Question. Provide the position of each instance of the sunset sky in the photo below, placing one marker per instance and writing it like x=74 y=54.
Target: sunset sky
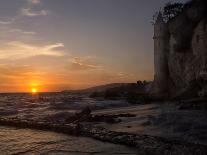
x=52 y=45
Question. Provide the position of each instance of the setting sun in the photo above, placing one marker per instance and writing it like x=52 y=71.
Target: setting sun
x=34 y=90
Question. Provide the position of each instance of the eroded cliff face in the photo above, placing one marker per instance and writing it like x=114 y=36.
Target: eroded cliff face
x=187 y=51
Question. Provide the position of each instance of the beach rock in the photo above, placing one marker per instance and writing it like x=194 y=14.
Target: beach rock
x=145 y=144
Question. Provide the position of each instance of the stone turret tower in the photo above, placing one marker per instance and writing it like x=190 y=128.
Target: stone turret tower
x=161 y=42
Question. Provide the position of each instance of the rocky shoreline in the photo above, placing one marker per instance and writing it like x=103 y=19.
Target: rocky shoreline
x=145 y=144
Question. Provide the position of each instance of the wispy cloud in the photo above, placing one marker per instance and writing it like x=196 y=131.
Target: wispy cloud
x=6 y=21
x=8 y=25
x=34 y=1
x=18 y=50
x=78 y=63
x=11 y=71
x=21 y=31
x=32 y=13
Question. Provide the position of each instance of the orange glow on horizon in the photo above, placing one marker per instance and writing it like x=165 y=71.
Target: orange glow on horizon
x=34 y=90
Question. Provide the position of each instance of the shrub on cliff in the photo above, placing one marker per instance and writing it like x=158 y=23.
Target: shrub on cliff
x=171 y=10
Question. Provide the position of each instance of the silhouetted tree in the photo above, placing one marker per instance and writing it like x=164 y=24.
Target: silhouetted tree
x=139 y=82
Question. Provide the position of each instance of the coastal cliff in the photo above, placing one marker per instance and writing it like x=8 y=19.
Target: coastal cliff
x=181 y=52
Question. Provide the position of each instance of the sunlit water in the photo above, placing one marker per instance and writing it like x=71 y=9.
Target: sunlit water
x=51 y=107
x=25 y=141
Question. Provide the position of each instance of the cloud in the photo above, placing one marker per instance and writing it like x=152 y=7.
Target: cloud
x=6 y=21
x=32 y=13
x=21 y=31
x=78 y=63
x=18 y=50
x=8 y=24
x=54 y=46
x=34 y=1
x=13 y=74
x=11 y=71
x=6 y=29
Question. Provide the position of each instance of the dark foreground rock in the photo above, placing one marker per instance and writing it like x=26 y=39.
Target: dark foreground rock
x=86 y=116
x=72 y=129
x=148 y=145
x=193 y=104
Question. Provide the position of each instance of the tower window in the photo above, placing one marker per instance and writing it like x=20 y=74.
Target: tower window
x=197 y=38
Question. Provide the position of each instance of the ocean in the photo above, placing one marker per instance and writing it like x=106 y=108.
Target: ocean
x=26 y=142
x=51 y=107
